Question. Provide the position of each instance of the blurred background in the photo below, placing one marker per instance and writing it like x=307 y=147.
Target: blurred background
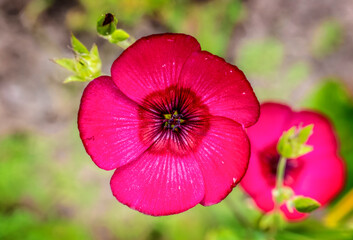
x=296 y=52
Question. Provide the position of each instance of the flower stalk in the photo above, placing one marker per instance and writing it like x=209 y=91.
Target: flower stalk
x=280 y=172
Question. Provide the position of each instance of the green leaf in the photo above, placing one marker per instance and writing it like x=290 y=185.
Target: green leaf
x=304 y=149
x=86 y=65
x=305 y=133
x=292 y=142
x=94 y=52
x=74 y=79
x=66 y=63
x=305 y=204
x=119 y=35
x=106 y=24
x=283 y=146
x=77 y=46
x=82 y=67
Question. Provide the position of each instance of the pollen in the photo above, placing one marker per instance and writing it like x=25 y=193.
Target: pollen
x=173 y=121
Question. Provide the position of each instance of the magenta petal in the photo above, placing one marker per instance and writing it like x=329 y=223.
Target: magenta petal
x=256 y=185
x=270 y=126
x=159 y=184
x=223 y=158
x=293 y=216
x=321 y=178
x=222 y=87
x=318 y=174
x=152 y=63
x=263 y=200
x=323 y=139
x=108 y=125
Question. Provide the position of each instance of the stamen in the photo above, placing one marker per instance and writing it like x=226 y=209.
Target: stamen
x=167 y=116
x=173 y=122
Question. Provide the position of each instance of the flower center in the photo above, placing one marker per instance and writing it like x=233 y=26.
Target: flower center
x=174 y=120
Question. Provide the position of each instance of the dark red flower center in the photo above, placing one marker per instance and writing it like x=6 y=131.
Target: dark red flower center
x=269 y=159
x=174 y=119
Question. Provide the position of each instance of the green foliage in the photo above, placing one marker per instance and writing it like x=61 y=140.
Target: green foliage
x=272 y=220
x=328 y=37
x=14 y=225
x=292 y=142
x=22 y=224
x=216 y=24
x=260 y=57
x=15 y=172
x=223 y=234
x=26 y=194
x=86 y=65
x=212 y=26
x=305 y=204
x=322 y=233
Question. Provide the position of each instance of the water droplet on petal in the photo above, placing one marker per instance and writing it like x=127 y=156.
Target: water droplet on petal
x=231 y=70
x=234 y=179
x=222 y=162
x=243 y=93
x=179 y=187
x=164 y=65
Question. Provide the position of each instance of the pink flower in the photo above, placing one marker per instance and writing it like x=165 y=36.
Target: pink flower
x=171 y=122
x=318 y=174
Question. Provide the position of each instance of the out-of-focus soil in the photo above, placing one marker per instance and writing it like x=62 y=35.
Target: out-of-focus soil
x=31 y=97
x=294 y=24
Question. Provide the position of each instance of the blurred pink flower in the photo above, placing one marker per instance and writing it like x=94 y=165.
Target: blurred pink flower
x=171 y=122
x=319 y=174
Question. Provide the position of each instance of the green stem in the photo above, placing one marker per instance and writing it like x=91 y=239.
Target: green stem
x=280 y=172
x=281 y=167
x=123 y=44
